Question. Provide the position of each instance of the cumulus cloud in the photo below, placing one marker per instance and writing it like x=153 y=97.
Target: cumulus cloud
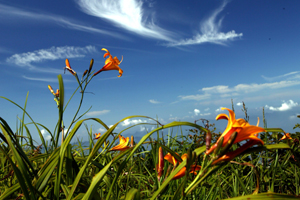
x=219 y=109
x=197 y=112
x=286 y=105
x=210 y=31
x=45 y=134
x=95 y=113
x=126 y=14
x=101 y=130
x=239 y=103
x=153 y=101
x=128 y=122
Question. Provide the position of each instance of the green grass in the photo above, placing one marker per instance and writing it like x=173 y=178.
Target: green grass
x=56 y=169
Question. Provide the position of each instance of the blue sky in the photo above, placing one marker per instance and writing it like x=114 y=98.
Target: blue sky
x=183 y=60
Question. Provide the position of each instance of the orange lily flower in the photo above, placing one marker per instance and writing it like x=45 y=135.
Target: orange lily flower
x=123 y=144
x=160 y=165
x=110 y=63
x=97 y=135
x=286 y=136
x=244 y=130
x=68 y=67
x=181 y=173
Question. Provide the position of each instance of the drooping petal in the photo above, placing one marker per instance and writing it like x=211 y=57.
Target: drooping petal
x=180 y=174
x=170 y=159
x=231 y=155
x=123 y=144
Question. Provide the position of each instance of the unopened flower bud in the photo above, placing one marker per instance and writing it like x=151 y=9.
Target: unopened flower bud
x=91 y=65
x=132 y=142
x=57 y=93
x=51 y=90
x=219 y=145
x=228 y=145
x=208 y=140
x=84 y=73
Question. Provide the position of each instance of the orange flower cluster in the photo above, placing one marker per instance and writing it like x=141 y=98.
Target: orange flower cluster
x=174 y=162
x=244 y=131
x=110 y=64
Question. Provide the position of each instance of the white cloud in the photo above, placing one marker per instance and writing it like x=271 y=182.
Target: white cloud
x=219 y=109
x=196 y=97
x=102 y=130
x=54 y=80
x=196 y=111
x=210 y=31
x=95 y=113
x=205 y=114
x=153 y=101
x=217 y=89
x=53 y=53
x=291 y=75
x=206 y=109
x=128 y=122
x=9 y=14
x=239 y=104
x=246 y=88
x=226 y=91
x=284 y=106
x=45 y=134
x=127 y=14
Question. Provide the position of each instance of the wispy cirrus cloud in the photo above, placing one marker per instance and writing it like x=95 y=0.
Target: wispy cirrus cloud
x=11 y=13
x=210 y=32
x=154 y=101
x=95 y=113
x=288 y=76
x=49 y=80
x=127 y=14
x=240 y=89
x=53 y=53
x=197 y=97
x=286 y=105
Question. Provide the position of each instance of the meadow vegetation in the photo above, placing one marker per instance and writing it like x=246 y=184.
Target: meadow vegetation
x=178 y=160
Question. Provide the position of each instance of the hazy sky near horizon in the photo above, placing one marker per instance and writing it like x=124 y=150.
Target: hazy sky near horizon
x=182 y=60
